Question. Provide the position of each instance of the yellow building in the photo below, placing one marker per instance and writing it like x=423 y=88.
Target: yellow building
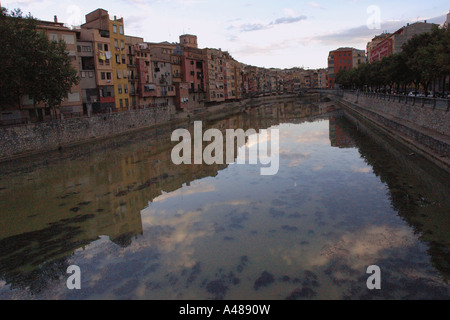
x=113 y=31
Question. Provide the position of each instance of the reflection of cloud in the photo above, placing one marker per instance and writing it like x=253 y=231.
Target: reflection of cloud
x=238 y=202
x=365 y=246
x=306 y=137
x=178 y=244
x=186 y=191
x=295 y=158
x=313 y=137
x=319 y=167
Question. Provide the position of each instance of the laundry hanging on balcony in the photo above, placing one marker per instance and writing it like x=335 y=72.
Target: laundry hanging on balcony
x=101 y=55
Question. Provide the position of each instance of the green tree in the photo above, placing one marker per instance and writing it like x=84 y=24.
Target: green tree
x=31 y=64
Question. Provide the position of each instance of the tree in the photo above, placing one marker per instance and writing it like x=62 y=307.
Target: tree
x=31 y=64
x=424 y=60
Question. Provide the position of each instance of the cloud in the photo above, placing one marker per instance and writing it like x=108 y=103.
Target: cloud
x=248 y=27
x=287 y=20
x=315 y=5
x=365 y=34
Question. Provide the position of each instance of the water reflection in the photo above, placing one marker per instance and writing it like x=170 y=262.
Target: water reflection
x=141 y=227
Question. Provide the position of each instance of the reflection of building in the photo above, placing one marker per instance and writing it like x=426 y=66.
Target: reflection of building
x=338 y=136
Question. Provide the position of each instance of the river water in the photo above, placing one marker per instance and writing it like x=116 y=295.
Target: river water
x=140 y=227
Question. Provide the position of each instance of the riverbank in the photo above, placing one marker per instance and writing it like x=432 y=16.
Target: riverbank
x=423 y=128
x=31 y=139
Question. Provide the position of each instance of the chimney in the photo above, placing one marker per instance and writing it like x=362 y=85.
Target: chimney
x=56 y=19
x=115 y=18
x=425 y=21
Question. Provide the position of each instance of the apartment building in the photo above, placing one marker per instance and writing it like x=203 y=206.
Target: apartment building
x=111 y=34
x=133 y=49
x=393 y=43
x=88 y=82
x=72 y=104
x=343 y=59
x=216 y=65
x=373 y=44
x=194 y=73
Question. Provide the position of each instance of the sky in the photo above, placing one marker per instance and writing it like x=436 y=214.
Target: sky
x=264 y=33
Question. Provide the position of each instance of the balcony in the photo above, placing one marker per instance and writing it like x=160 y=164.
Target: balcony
x=104 y=33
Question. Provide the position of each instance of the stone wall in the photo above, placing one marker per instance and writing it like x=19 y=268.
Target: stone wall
x=29 y=139
x=423 y=124
x=46 y=136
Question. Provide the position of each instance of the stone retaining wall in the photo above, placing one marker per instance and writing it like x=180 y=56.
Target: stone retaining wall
x=424 y=127
x=28 y=139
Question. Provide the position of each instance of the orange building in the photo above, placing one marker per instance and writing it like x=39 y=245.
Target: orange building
x=72 y=105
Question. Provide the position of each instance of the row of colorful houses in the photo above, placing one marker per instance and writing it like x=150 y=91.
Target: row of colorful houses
x=120 y=72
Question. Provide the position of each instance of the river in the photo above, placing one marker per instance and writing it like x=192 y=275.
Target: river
x=140 y=227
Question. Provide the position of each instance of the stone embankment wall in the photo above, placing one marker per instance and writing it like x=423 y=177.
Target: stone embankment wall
x=423 y=124
x=29 y=139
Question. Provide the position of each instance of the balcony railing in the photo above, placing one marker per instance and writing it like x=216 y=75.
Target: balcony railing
x=443 y=104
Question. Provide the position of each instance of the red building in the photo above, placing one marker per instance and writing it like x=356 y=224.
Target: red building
x=343 y=59
x=384 y=49
x=193 y=68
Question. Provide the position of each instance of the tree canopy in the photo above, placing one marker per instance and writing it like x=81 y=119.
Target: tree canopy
x=424 y=59
x=31 y=64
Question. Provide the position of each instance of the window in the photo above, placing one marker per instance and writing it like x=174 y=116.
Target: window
x=53 y=37
x=103 y=76
x=125 y=87
x=116 y=43
x=106 y=47
x=108 y=75
x=86 y=49
x=68 y=38
x=119 y=88
x=79 y=48
x=100 y=46
x=122 y=44
x=91 y=74
x=123 y=59
x=121 y=103
x=115 y=28
x=74 y=97
x=119 y=74
x=117 y=59
x=83 y=74
x=121 y=29
x=126 y=103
